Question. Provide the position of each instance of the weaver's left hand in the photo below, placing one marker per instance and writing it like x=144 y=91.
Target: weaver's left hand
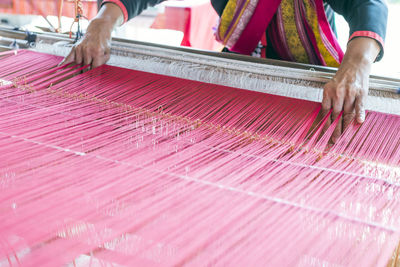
x=94 y=48
x=348 y=89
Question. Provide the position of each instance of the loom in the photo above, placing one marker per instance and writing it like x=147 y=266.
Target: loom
x=172 y=156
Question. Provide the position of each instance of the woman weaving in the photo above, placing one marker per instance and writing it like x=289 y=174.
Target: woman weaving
x=293 y=30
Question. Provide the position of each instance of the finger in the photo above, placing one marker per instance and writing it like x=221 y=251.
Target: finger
x=360 y=107
x=337 y=108
x=107 y=57
x=326 y=107
x=68 y=59
x=87 y=59
x=348 y=111
x=98 y=61
x=107 y=52
x=78 y=55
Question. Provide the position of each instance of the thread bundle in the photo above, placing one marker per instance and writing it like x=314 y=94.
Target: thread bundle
x=116 y=166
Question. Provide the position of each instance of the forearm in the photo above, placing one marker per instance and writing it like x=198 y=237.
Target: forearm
x=360 y=54
x=111 y=15
x=132 y=8
x=361 y=51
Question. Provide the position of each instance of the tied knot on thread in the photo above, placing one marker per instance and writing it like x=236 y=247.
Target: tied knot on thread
x=78 y=16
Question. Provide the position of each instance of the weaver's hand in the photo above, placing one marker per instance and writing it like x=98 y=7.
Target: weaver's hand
x=94 y=47
x=348 y=90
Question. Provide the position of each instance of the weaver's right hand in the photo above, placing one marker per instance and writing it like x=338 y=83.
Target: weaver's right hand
x=94 y=47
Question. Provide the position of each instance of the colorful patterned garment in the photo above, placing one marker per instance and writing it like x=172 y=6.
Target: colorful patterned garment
x=298 y=29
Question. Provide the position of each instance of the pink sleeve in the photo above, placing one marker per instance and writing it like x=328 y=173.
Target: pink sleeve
x=369 y=34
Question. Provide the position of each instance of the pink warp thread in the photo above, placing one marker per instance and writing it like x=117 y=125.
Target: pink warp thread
x=122 y=167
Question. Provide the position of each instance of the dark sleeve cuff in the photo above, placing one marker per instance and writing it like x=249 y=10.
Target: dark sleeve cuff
x=372 y=35
x=120 y=5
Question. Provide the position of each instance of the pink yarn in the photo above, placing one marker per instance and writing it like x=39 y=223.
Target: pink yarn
x=116 y=166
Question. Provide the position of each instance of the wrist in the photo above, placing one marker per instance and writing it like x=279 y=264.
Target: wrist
x=362 y=51
x=358 y=61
